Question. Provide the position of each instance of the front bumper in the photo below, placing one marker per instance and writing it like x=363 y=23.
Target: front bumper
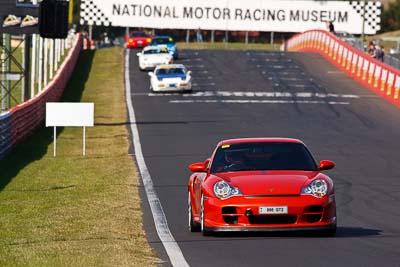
x=131 y=45
x=242 y=213
x=136 y=45
x=151 y=65
x=177 y=88
x=270 y=229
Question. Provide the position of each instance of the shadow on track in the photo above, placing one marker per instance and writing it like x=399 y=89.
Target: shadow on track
x=342 y=232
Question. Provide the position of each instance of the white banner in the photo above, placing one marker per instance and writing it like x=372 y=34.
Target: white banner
x=233 y=15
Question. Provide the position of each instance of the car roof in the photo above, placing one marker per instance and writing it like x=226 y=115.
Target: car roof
x=259 y=140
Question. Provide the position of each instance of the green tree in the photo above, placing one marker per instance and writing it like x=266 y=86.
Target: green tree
x=391 y=17
x=77 y=9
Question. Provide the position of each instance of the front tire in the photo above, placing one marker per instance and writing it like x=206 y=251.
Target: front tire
x=193 y=226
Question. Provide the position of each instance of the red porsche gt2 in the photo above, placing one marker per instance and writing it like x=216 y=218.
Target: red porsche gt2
x=261 y=184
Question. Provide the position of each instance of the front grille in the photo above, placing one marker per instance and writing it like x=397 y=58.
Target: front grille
x=312 y=214
x=231 y=219
x=229 y=210
x=312 y=218
x=229 y=215
x=314 y=208
x=276 y=219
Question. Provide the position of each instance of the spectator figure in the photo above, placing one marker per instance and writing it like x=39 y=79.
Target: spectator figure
x=199 y=36
x=330 y=26
x=371 y=49
x=379 y=53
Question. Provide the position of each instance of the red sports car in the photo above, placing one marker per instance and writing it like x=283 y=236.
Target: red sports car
x=137 y=39
x=261 y=184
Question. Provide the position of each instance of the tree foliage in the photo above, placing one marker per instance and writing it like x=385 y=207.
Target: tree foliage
x=391 y=17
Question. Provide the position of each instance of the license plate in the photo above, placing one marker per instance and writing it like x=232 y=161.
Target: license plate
x=172 y=85
x=140 y=42
x=273 y=210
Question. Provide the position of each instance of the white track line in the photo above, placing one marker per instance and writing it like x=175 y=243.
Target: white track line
x=174 y=252
x=245 y=101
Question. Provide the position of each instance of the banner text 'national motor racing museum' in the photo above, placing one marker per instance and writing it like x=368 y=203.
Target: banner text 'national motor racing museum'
x=249 y=15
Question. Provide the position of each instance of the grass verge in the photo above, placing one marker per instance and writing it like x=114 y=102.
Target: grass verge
x=73 y=210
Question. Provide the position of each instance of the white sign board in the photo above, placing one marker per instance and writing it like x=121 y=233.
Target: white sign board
x=69 y=114
x=234 y=15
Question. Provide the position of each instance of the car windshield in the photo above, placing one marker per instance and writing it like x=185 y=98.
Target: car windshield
x=155 y=51
x=262 y=156
x=169 y=71
x=158 y=41
x=138 y=34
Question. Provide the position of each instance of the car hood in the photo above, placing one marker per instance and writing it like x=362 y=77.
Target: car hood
x=171 y=76
x=156 y=56
x=268 y=182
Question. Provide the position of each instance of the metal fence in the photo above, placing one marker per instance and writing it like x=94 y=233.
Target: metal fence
x=389 y=59
x=393 y=60
x=22 y=120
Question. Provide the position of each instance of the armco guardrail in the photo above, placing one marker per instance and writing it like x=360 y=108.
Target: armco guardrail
x=375 y=75
x=5 y=133
x=19 y=122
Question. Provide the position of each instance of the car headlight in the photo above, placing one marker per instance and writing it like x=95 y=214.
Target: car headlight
x=223 y=190
x=317 y=188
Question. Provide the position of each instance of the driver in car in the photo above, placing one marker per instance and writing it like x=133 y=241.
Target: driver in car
x=235 y=161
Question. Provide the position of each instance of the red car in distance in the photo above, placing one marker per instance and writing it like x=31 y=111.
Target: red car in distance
x=137 y=39
x=261 y=184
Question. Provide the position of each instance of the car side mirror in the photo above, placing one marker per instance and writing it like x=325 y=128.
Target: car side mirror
x=326 y=165
x=138 y=54
x=151 y=74
x=198 y=167
x=189 y=72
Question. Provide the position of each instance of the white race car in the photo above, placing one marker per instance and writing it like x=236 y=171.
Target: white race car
x=151 y=56
x=170 y=78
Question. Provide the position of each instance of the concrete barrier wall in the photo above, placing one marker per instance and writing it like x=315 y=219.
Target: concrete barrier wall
x=21 y=121
x=373 y=74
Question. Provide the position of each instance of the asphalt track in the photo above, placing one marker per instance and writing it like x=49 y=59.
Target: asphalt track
x=270 y=94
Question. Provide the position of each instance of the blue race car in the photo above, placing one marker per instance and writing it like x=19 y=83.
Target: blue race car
x=166 y=41
x=171 y=78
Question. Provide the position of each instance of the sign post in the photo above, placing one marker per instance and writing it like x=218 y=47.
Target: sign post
x=69 y=114
x=55 y=141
